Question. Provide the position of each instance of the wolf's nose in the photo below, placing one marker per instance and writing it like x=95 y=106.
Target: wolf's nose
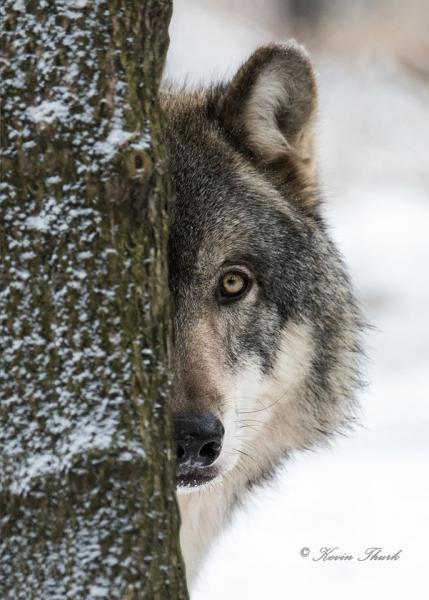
x=199 y=440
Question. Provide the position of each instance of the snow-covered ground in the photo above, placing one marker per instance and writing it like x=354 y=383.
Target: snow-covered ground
x=370 y=489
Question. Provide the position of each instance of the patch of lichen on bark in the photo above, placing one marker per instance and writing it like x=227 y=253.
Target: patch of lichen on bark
x=87 y=468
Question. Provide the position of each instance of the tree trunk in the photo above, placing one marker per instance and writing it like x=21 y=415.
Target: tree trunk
x=87 y=499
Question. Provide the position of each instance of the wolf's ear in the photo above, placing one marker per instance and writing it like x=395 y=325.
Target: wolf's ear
x=269 y=107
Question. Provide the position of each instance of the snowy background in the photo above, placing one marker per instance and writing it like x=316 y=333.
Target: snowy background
x=371 y=489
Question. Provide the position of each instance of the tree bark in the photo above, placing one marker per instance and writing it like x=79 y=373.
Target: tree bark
x=87 y=467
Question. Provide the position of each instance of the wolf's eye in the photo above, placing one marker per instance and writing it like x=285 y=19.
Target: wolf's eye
x=233 y=285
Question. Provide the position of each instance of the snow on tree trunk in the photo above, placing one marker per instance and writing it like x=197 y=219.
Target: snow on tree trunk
x=87 y=500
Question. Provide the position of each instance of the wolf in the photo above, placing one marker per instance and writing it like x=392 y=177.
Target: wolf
x=266 y=326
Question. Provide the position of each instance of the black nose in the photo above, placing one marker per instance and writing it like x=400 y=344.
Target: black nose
x=199 y=439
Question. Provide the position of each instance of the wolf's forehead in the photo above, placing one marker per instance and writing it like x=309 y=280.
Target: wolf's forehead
x=219 y=208
x=211 y=177
x=215 y=187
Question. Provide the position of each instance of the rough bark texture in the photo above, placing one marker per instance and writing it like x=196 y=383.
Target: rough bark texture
x=86 y=465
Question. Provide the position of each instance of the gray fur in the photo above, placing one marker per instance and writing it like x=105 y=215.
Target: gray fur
x=251 y=201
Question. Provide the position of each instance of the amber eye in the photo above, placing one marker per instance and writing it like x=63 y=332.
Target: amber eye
x=233 y=285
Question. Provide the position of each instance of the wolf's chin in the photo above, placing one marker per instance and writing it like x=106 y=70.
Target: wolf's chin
x=198 y=479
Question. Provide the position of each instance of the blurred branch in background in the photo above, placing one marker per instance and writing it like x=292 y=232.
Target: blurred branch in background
x=309 y=13
x=360 y=28
x=349 y=28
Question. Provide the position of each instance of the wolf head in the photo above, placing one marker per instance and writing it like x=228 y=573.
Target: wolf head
x=265 y=324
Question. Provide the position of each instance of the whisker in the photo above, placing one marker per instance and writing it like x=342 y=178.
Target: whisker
x=245 y=454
